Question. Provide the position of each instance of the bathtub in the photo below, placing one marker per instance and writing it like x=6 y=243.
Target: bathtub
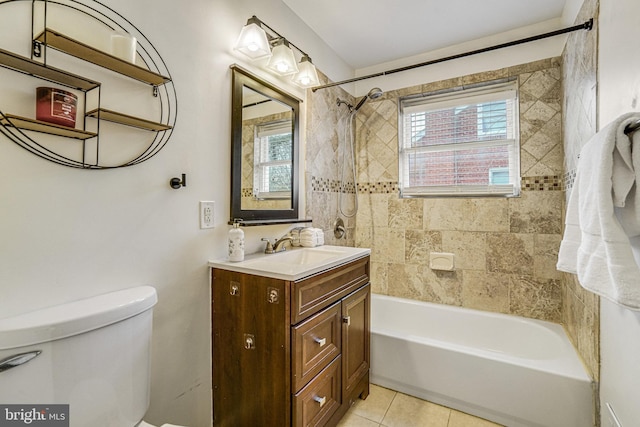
x=511 y=370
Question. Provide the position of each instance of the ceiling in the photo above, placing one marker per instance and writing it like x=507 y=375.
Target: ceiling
x=365 y=33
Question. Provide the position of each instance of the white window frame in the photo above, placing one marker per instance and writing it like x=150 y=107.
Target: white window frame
x=459 y=98
x=261 y=166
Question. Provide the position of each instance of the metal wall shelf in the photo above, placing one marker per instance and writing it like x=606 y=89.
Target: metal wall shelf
x=80 y=50
x=153 y=72
x=44 y=127
x=36 y=69
x=124 y=119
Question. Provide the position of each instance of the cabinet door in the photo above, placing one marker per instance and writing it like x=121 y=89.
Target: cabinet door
x=251 y=353
x=355 y=339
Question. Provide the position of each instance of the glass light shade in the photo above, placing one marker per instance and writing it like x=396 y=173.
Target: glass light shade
x=253 y=41
x=307 y=76
x=282 y=60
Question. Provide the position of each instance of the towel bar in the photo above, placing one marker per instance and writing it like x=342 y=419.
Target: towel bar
x=632 y=127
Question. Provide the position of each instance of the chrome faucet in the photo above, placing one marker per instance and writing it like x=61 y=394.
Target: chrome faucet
x=277 y=246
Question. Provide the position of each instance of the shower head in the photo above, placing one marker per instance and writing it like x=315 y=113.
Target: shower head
x=374 y=93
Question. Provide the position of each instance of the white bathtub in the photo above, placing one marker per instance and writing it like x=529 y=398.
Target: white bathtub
x=514 y=371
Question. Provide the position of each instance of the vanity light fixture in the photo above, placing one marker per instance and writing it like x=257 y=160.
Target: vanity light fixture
x=256 y=43
x=253 y=40
x=307 y=75
x=282 y=60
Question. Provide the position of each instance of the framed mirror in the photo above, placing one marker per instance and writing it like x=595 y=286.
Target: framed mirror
x=264 y=151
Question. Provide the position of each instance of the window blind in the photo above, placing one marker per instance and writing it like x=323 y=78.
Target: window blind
x=272 y=160
x=461 y=143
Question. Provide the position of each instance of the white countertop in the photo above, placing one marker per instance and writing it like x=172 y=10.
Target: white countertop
x=293 y=264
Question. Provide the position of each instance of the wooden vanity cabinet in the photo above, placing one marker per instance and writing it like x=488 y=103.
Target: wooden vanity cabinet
x=290 y=353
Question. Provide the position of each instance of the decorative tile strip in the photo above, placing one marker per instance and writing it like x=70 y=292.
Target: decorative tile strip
x=247 y=192
x=529 y=183
x=569 y=179
x=542 y=183
x=331 y=185
x=378 y=187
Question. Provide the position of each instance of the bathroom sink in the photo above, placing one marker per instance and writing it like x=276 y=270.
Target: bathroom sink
x=305 y=256
x=295 y=263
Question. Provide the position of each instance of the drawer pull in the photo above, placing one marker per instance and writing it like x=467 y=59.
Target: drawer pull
x=321 y=400
x=321 y=341
x=347 y=320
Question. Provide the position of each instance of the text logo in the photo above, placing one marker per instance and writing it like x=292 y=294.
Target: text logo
x=34 y=415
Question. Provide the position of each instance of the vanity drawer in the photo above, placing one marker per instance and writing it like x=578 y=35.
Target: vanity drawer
x=315 y=343
x=320 y=399
x=316 y=292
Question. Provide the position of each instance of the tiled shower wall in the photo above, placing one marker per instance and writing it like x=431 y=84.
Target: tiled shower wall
x=505 y=249
x=581 y=315
x=327 y=125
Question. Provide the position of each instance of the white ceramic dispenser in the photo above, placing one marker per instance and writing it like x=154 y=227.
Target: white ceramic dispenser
x=236 y=243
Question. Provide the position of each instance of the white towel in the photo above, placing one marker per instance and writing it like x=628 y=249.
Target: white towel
x=603 y=213
x=311 y=237
x=308 y=237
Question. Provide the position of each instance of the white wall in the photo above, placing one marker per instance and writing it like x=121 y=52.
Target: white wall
x=499 y=58
x=619 y=92
x=67 y=234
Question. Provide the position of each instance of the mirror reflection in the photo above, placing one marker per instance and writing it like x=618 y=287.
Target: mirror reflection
x=267 y=149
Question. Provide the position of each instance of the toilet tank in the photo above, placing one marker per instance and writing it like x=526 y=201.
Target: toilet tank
x=94 y=356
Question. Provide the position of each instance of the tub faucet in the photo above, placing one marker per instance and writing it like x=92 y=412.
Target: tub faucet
x=277 y=246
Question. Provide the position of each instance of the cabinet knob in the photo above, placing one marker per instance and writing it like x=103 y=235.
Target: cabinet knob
x=321 y=341
x=321 y=400
x=249 y=342
x=234 y=289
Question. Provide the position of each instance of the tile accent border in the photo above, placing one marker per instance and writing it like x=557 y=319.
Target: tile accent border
x=542 y=183
x=529 y=183
x=569 y=179
x=331 y=185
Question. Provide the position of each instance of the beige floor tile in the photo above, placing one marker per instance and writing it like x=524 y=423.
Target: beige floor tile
x=353 y=420
x=408 y=411
x=460 y=419
x=376 y=405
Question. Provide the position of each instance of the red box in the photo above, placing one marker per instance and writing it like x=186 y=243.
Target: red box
x=56 y=106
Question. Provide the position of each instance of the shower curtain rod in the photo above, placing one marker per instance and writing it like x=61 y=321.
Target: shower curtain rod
x=587 y=25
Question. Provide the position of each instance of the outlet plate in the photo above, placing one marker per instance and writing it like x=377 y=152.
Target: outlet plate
x=206 y=214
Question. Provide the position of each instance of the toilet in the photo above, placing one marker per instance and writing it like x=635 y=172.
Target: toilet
x=92 y=354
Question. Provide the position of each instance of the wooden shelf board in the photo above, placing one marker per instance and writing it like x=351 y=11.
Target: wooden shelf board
x=44 y=127
x=80 y=50
x=124 y=119
x=28 y=66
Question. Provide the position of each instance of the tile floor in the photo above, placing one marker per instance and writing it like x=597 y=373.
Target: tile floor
x=388 y=408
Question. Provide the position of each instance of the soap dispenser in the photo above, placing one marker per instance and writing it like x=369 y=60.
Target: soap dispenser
x=236 y=243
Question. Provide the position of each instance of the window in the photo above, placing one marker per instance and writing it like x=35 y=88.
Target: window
x=272 y=160
x=462 y=142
